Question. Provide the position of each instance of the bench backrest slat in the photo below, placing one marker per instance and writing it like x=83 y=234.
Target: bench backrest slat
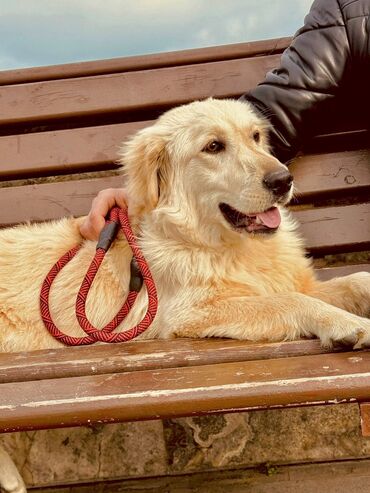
x=63 y=151
x=131 y=91
x=145 y=62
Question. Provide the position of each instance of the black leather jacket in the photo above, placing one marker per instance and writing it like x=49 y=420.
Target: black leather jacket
x=323 y=82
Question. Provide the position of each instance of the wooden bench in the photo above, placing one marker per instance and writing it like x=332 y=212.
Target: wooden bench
x=60 y=128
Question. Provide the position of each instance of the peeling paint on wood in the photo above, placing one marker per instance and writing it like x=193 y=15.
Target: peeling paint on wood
x=184 y=391
x=154 y=394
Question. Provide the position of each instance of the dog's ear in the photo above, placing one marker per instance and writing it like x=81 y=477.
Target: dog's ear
x=145 y=165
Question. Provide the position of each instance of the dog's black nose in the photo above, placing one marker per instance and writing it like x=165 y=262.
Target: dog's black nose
x=279 y=182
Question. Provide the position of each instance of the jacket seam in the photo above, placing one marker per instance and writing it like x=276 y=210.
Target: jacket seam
x=321 y=28
x=298 y=88
x=350 y=3
x=358 y=17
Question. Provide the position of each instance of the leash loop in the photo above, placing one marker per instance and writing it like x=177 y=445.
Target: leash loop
x=140 y=274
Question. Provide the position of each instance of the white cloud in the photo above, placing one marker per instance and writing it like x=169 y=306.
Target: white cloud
x=38 y=32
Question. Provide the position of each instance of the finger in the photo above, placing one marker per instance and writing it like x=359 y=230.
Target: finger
x=120 y=197
x=90 y=229
x=101 y=205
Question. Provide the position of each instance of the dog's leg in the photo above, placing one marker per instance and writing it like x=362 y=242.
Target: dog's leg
x=10 y=479
x=274 y=318
x=352 y=293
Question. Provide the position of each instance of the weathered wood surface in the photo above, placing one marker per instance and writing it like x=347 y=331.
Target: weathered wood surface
x=63 y=151
x=145 y=62
x=131 y=91
x=365 y=418
x=143 y=355
x=332 y=477
x=150 y=394
x=51 y=200
x=325 y=174
x=335 y=229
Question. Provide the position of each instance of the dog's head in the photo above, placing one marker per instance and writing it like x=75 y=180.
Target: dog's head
x=207 y=166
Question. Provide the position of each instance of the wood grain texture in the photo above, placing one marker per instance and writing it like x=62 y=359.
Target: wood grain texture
x=301 y=380
x=145 y=62
x=143 y=355
x=335 y=229
x=319 y=175
x=63 y=151
x=131 y=91
x=51 y=200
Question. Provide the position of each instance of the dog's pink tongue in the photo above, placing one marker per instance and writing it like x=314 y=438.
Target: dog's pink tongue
x=270 y=218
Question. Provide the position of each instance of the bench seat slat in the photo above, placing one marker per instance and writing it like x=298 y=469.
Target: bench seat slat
x=181 y=391
x=50 y=100
x=143 y=355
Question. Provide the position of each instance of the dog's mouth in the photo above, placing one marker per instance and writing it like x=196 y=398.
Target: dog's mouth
x=261 y=222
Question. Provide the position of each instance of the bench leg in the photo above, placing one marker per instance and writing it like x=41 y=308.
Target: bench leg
x=10 y=479
x=365 y=418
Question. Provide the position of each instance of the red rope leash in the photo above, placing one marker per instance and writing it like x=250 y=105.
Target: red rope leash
x=139 y=272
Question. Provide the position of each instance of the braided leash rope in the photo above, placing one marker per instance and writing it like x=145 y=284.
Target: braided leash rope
x=139 y=273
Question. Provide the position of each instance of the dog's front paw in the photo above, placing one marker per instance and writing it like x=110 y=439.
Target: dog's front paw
x=346 y=330
x=358 y=339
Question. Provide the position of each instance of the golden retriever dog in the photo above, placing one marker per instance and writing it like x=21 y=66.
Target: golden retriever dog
x=207 y=204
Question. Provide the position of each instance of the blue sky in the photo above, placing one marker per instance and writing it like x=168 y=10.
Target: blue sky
x=46 y=32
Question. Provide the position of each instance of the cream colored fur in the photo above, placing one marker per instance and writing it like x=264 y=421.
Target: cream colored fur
x=211 y=279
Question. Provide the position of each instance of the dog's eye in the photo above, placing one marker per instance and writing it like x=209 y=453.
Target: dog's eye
x=256 y=136
x=214 y=146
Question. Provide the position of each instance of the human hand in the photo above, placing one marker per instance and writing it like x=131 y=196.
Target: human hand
x=101 y=205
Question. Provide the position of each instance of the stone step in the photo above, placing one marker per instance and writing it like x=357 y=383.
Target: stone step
x=338 y=477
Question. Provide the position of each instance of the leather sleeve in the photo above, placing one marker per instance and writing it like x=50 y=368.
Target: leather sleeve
x=297 y=95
